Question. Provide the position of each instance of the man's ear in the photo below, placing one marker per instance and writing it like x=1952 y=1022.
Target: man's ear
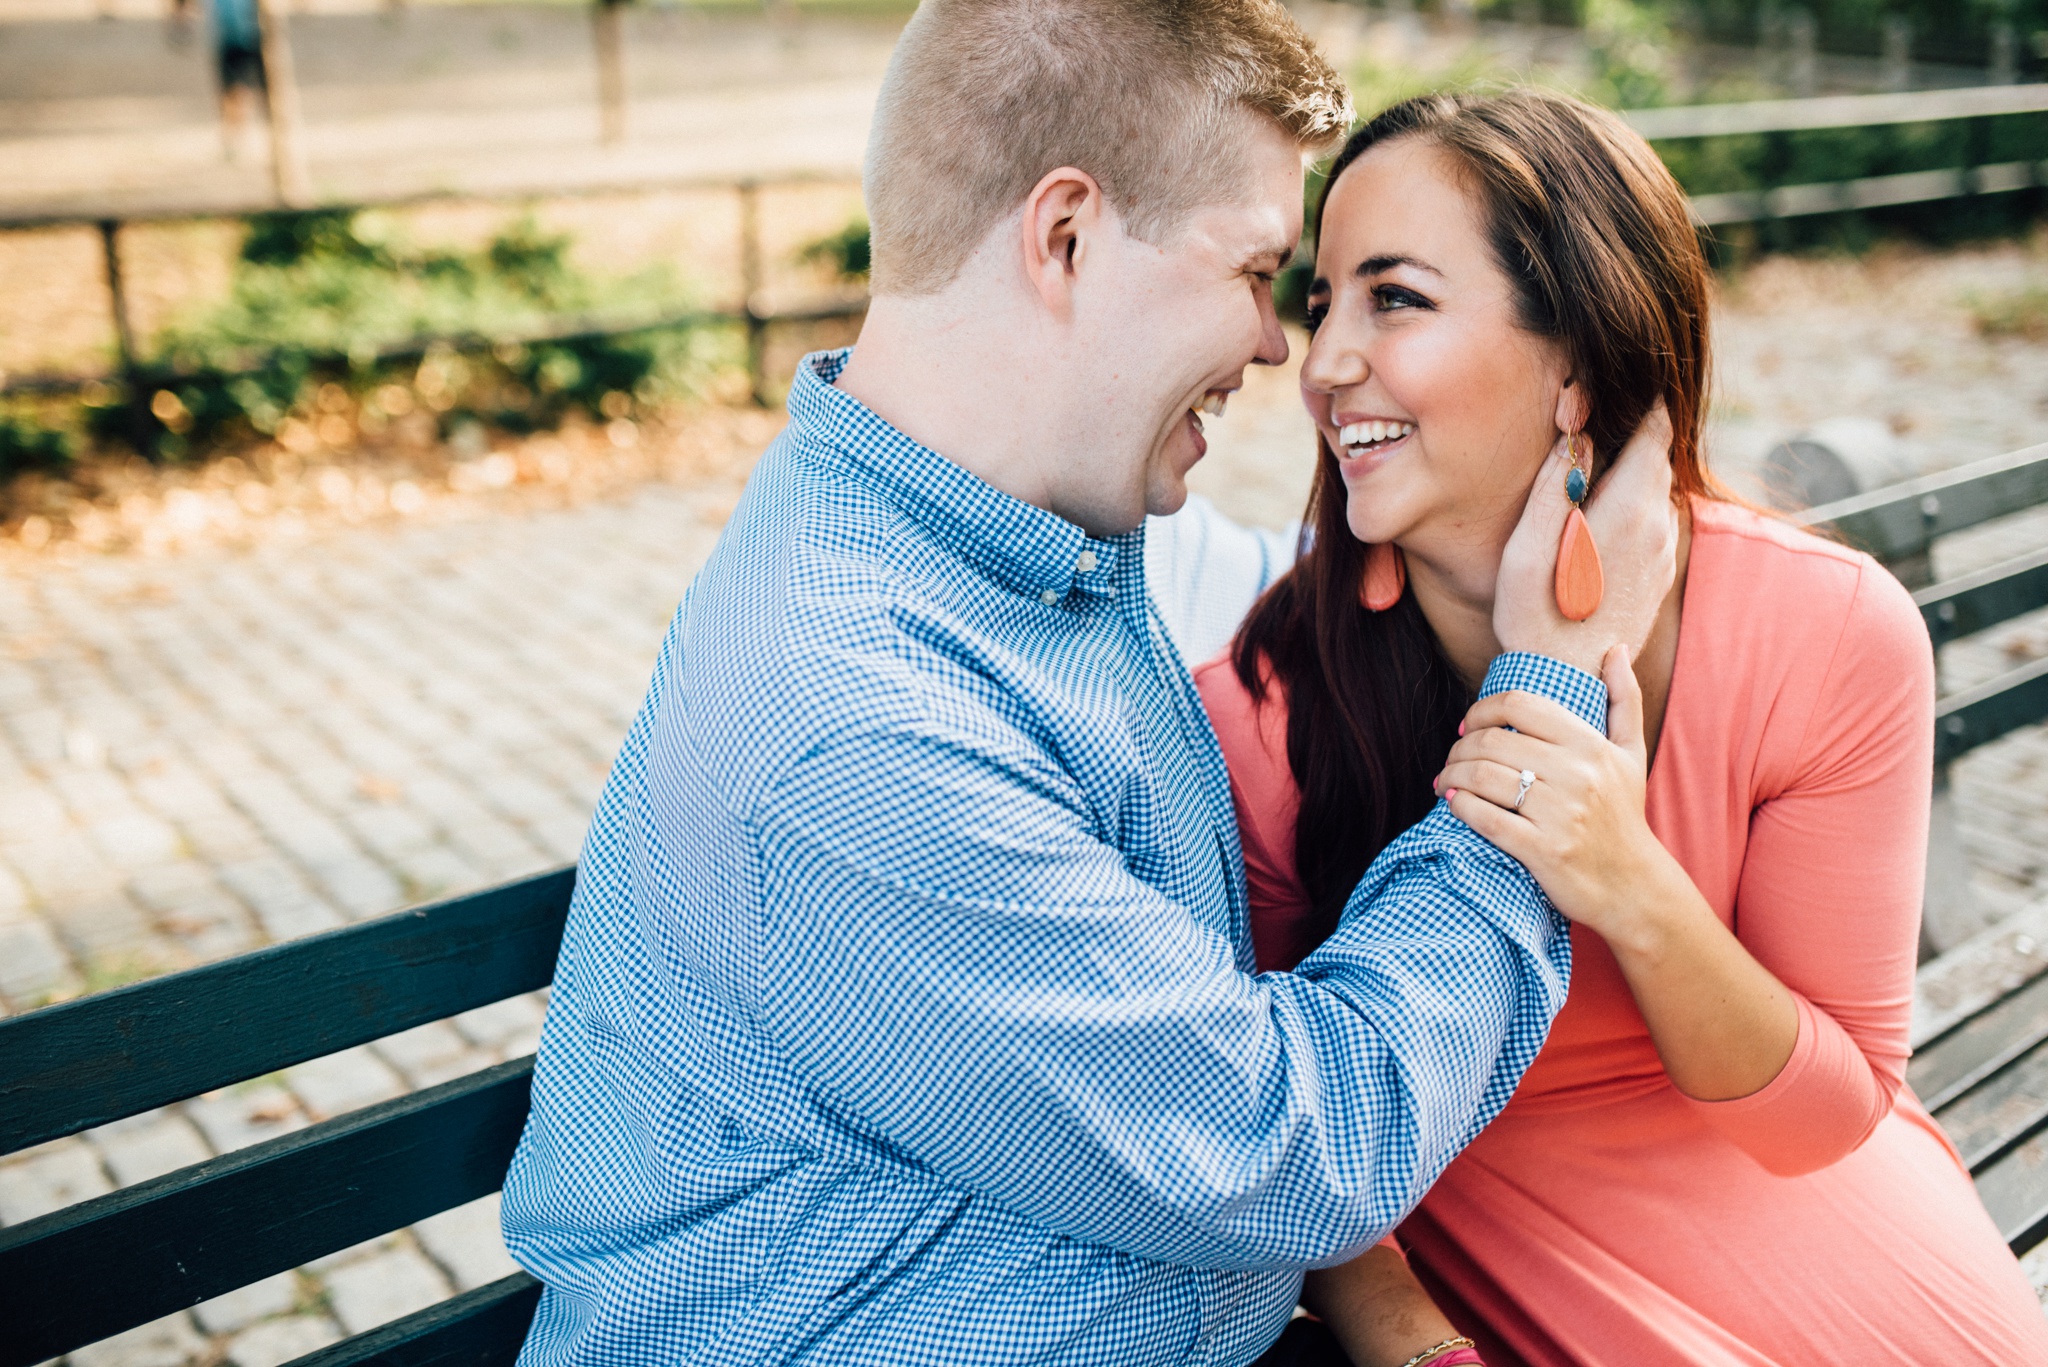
x=1062 y=214
x=1572 y=408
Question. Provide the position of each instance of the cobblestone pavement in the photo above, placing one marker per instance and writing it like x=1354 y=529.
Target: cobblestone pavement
x=207 y=755
x=206 y=751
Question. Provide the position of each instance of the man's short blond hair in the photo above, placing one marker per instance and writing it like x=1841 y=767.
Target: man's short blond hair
x=983 y=97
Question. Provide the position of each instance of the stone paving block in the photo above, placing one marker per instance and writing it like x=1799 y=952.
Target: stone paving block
x=31 y=962
x=244 y=1306
x=438 y=872
x=468 y=1243
x=338 y=1083
x=108 y=929
x=389 y=830
x=222 y=836
x=148 y=1145
x=562 y=837
x=431 y=1054
x=360 y=886
x=491 y=1026
x=168 y=1342
x=49 y=1177
x=61 y=864
x=384 y=1287
x=135 y=838
x=355 y=1253
x=236 y=1117
x=14 y=897
x=284 y=904
x=275 y=1342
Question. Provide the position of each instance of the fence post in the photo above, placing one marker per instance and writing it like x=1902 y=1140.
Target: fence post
x=281 y=101
x=117 y=295
x=1803 y=75
x=2005 y=53
x=608 y=33
x=1898 y=52
x=750 y=286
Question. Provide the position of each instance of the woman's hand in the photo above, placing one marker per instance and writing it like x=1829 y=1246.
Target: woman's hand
x=1580 y=830
x=1722 y=1023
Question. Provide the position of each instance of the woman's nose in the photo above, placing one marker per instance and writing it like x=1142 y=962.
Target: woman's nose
x=1331 y=365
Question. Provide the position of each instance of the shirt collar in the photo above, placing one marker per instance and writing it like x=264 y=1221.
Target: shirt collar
x=1022 y=547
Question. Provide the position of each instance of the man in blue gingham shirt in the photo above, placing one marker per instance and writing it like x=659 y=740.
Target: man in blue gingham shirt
x=906 y=1013
x=907 y=1010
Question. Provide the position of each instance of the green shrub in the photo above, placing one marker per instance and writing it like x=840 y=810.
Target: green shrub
x=27 y=445
x=335 y=297
x=845 y=251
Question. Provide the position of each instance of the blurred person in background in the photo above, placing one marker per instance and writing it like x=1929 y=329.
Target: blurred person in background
x=1715 y=1161
x=906 y=1011
x=238 y=67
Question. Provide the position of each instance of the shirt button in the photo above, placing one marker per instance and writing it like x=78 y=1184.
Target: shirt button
x=1086 y=562
x=1048 y=598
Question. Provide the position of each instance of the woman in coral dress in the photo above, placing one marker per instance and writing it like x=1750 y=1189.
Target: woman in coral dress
x=1715 y=1160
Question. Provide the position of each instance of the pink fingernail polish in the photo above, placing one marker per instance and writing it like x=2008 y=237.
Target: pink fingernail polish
x=1461 y=728
x=1450 y=793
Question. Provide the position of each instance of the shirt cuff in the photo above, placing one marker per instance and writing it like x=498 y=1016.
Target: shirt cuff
x=1584 y=696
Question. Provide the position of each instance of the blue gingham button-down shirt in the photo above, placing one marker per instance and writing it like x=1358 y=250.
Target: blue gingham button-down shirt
x=907 y=1011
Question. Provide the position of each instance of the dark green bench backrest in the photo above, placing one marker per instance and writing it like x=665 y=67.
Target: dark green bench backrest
x=94 y=1269
x=1899 y=524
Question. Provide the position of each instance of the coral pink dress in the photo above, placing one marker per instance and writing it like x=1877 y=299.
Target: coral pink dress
x=1607 y=1220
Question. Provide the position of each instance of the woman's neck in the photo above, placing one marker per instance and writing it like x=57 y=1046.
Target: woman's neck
x=1458 y=605
x=1459 y=608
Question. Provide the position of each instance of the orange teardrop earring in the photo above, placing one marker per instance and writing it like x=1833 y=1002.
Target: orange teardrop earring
x=1386 y=576
x=1580 y=582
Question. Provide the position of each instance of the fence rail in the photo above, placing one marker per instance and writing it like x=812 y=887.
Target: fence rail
x=750 y=313
x=1836 y=111
x=1766 y=117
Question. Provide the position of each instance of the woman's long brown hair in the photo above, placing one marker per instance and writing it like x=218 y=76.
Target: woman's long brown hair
x=1593 y=232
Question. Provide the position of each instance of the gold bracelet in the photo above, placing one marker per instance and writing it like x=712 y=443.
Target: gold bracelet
x=1439 y=1350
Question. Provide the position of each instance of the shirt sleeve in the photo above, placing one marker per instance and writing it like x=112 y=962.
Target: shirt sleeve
x=972 y=977
x=1829 y=899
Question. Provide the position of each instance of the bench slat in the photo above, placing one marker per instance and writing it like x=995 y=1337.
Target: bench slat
x=2015 y=1191
x=1963 y=721
x=1958 y=607
x=202 y=1231
x=1899 y=520
x=68 y=1068
x=1958 y=1060
x=480 y=1328
x=1996 y=1114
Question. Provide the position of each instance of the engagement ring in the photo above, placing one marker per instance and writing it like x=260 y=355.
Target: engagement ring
x=1528 y=777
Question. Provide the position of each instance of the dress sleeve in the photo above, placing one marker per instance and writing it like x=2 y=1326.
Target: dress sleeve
x=1831 y=888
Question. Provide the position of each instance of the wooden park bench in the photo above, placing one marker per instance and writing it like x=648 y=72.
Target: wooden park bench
x=106 y=1265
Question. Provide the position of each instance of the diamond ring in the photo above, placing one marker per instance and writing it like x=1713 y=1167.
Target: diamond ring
x=1528 y=778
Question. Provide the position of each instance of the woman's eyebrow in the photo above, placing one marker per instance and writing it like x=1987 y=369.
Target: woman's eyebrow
x=1376 y=265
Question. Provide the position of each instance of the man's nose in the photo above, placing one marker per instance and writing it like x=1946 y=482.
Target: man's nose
x=1272 y=337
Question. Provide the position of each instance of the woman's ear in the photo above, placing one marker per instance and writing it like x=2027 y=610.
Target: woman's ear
x=1572 y=408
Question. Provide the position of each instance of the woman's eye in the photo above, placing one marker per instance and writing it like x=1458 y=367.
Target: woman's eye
x=1390 y=297
x=1314 y=315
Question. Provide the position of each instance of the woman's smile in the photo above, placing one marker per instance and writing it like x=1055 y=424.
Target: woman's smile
x=1365 y=444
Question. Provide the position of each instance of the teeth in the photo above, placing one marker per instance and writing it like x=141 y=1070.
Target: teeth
x=1213 y=403
x=1373 y=433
